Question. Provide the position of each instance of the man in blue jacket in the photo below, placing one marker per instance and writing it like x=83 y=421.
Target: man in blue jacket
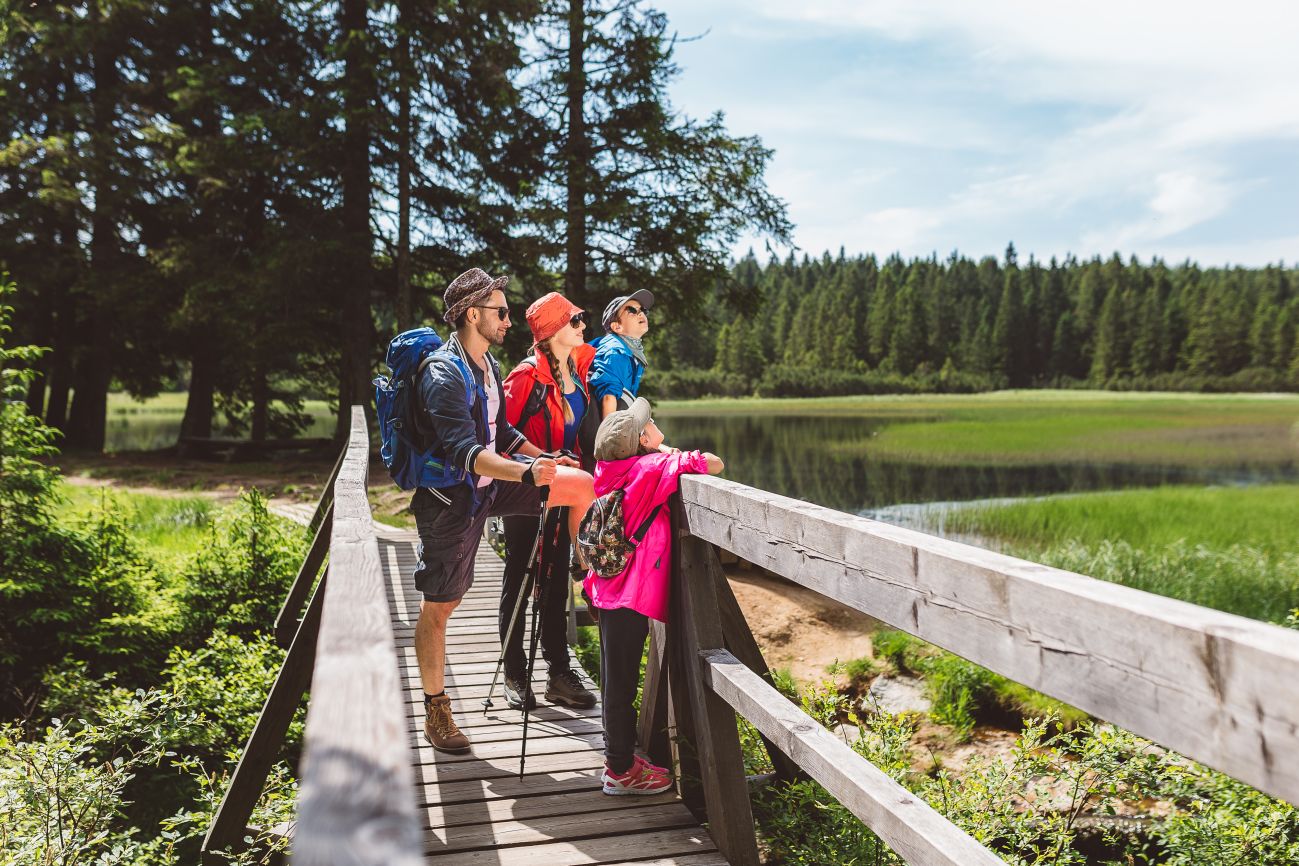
x=480 y=451
x=619 y=362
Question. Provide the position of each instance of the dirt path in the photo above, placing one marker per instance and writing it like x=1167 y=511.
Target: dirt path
x=798 y=629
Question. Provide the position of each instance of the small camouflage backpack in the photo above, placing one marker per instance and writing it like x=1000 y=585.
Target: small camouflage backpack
x=602 y=537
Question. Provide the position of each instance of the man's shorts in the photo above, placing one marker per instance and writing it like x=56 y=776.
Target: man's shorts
x=449 y=534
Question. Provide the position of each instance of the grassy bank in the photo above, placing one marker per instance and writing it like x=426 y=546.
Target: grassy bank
x=1232 y=549
x=1034 y=427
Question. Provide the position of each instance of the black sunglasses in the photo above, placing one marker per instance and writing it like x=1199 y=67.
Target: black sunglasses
x=578 y=320
x=502 y=313
x=635 y=311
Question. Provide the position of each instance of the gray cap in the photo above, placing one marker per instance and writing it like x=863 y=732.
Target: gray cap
x=642 y=296
x=619 y=433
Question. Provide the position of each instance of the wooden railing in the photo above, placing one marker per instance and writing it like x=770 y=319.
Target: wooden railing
x=1218 y=688
x=357 y=799
x=1221 y=689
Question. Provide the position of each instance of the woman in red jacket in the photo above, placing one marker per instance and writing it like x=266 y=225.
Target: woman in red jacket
x=546 y=397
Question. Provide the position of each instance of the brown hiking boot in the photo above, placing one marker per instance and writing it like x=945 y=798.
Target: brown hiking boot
x=564 y=687
x=440 y=728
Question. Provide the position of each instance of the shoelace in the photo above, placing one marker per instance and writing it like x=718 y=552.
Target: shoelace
x=569 y=678
x=442 y=721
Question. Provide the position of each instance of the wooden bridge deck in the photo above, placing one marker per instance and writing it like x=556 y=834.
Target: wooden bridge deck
x=475 y=808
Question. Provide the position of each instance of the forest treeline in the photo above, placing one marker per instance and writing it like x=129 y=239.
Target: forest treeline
x=247 y=197
x=843 y=325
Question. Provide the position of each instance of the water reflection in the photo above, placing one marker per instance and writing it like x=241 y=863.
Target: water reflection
x=798 y=457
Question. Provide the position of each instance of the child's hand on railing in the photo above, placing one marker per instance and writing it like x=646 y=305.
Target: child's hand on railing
x=715 y=464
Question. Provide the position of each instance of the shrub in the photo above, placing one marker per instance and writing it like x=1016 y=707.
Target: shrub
x=688 y=384
x=238 y=583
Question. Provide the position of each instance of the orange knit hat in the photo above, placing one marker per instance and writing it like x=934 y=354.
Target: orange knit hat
x=548 y=314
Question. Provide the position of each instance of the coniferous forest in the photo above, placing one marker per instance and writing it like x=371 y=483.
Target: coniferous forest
x=841 y=325
x=243 y=200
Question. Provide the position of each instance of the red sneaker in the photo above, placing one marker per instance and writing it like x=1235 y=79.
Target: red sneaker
x=639 y=779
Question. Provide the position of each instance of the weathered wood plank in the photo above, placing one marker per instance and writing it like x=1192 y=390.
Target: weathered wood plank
x=357 y=803
x=664 y=844
x=697 y=623
x=286 y=621
x=229 y=826
x=569 y=826
x=590 y=799
x=1218 y=688
x=652 y=725
x=906 y=823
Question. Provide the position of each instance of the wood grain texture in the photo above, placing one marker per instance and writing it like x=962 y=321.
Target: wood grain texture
x=265 y=743
x=286 y=621
x=696 y=623
x=906 y=823
x=357 y=802
x=1218 y=688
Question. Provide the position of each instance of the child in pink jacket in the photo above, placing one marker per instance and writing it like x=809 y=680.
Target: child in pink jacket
x=626 y=448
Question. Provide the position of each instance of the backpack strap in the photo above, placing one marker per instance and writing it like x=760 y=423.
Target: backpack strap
x=536 y=398
x=639 y=535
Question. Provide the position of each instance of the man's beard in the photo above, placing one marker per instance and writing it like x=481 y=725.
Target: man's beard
x=490 y=331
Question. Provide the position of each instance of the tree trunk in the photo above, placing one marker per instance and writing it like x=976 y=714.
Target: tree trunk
x=200 y=408
x=204 y=341
x=261 y=403
x=94 y=369
x=575 y=230
x=405 y=315
x=355 y=308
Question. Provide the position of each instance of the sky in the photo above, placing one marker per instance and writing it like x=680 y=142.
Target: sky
x=1144 y=127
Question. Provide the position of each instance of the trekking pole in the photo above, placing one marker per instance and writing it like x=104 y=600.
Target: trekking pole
x=538 y=601
x=524 y=586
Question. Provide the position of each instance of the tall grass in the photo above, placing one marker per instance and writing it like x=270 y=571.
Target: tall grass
x=167 y=527
x=1265 y=517
x=1233 y=549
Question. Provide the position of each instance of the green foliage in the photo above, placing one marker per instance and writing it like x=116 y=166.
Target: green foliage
x=63 y=793
x=228 y=678
x=238 y=582
x=1027 y=805
x=1140 y=538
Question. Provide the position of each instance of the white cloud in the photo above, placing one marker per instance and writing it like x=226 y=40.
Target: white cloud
x=1144 y=113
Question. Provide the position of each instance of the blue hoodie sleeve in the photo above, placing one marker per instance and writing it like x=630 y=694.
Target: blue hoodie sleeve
x=612 y=372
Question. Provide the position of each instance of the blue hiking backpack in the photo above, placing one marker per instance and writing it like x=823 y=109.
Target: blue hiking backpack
x=396 y=400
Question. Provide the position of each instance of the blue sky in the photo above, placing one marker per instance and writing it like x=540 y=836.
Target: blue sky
x=920 y=126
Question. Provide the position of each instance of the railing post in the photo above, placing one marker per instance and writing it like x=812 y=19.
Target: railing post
x=229 y=825
x=740 y=641
x=696 y=620
x=286 y=622
x=652 y=727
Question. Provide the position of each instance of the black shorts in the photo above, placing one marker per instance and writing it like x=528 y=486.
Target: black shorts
x=449 y=533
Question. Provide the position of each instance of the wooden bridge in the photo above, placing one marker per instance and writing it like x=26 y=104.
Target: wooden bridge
x=1218 y=688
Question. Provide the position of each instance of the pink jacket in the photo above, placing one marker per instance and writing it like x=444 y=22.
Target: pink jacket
x=648 y=480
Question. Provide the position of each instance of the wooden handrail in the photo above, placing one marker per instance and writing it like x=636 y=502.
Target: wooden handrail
x=1219 y=688
x=357 y=803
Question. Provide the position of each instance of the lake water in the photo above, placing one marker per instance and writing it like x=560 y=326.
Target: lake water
x=821 y=459
x=802 y=457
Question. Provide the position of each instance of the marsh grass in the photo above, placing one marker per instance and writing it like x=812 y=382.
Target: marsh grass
x=168 y=527
x=1232 y=549
x=1265 y=517
x=1035 y=427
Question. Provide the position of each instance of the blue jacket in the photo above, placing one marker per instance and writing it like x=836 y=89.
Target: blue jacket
x=459 y=432
x=615 y=370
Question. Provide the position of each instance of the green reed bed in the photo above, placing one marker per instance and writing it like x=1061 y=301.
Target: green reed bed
x=1034 y=427
x=166 y=526
x=1233 y=549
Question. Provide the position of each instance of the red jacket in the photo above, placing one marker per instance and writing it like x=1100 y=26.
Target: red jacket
x=545 y=429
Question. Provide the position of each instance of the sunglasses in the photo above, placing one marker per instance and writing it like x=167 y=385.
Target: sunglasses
x=579 y=320
x=502 y=313
x=635 y=311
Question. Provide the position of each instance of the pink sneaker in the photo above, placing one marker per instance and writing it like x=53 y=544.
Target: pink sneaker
x=653 y=768
x=637 y=780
